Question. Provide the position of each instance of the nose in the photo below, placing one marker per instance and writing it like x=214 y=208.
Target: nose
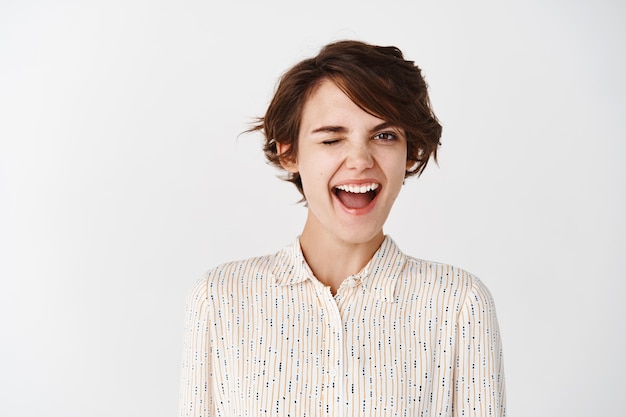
x=359 y=157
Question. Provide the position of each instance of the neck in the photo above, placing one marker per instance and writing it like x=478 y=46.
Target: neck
x=332 y=259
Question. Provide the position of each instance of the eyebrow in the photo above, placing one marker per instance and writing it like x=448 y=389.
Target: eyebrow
x=342 y=129
x=330 y=129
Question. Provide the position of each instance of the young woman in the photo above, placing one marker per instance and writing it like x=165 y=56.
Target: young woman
x=342 y=323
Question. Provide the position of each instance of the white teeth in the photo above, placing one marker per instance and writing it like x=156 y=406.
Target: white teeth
x=359 y=189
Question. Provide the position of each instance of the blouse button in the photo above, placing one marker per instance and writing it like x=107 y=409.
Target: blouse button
x=351 y=282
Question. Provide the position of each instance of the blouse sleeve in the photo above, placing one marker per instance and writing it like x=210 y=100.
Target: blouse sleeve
x=195 y=389
x=479 y=373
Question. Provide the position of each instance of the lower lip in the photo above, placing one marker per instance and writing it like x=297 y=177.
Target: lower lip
x=357 y=211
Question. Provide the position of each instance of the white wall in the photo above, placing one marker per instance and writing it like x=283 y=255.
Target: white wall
x=122 y=179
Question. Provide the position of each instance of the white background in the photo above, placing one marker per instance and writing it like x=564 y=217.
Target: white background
x=123 y=178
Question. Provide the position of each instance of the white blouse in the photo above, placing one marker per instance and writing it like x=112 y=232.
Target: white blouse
x=404 y=337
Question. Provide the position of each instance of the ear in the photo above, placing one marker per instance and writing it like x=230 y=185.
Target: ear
x=288 y=163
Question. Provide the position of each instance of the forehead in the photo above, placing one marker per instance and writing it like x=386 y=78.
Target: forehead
x=328 y=104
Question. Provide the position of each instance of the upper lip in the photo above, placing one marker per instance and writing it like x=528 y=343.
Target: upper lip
x=365 y=181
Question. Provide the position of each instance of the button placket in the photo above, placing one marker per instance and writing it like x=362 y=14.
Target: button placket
x=333 y=350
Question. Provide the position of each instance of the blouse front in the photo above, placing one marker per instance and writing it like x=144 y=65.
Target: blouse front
x=404 y=337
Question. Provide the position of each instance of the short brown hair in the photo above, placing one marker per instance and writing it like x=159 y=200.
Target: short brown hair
x=376 y=78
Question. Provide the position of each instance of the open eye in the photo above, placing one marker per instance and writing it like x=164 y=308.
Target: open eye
x=386 y=136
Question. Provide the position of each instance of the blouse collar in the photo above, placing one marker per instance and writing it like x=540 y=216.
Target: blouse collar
x=379 y=276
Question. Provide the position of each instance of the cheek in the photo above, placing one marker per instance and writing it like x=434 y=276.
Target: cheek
x=317 y=166
x=397 y=164
x=311 y=174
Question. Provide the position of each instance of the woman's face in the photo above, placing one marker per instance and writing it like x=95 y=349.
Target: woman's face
x=352 y=165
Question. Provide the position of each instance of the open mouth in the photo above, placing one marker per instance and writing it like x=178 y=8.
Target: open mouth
x=356 y=196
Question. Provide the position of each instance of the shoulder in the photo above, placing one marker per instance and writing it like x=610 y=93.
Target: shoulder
x=437 y=273
x=240 y=275
x=436 y=279
x=245 y=269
